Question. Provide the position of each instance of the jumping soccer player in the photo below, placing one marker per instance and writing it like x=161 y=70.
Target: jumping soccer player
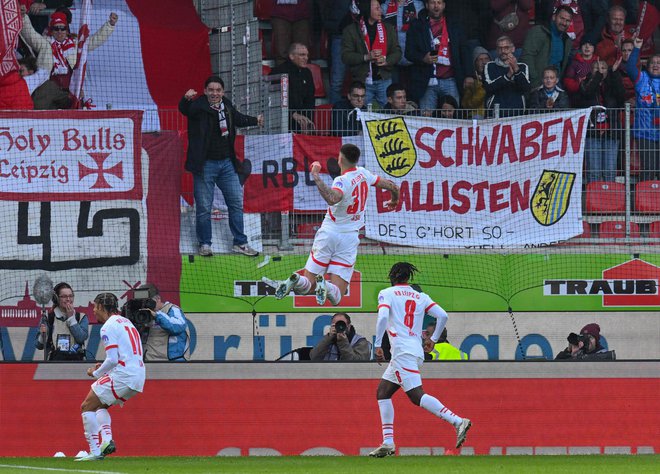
x=401 y=311
x=336 y=243
x=119 y=377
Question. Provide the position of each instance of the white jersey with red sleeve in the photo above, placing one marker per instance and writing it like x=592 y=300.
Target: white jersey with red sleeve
x=120 y=334
x=348 y=214
x=406 y=318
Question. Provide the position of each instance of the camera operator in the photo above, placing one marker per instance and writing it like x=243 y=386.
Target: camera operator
x=341 y=342
x=167 y=332
x=64 y=329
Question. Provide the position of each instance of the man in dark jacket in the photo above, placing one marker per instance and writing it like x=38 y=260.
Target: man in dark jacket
x=301 y=88
x=548 y=46
x=212 y=122
x=345 y=114
x=602 y=87
x=436 y=47
x=506 y=80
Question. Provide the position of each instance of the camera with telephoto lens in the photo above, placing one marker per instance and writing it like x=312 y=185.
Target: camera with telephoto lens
x=574 y=339
x=340 y=327
x=139 y=309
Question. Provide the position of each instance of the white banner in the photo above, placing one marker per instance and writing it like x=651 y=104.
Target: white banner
x=59 y=156
x=491 y=183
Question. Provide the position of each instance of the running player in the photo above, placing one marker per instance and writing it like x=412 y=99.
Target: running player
x=336 y=243
x=401 y=311
x=119 y=377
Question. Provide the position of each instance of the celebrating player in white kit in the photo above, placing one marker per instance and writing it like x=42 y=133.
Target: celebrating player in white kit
x=336 y=242
x=401 y=312
x=119 y=377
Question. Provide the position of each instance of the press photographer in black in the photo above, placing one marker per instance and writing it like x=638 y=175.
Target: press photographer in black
x=341 y=342
x=586 y=346
x=63 y=329
x=162 y=325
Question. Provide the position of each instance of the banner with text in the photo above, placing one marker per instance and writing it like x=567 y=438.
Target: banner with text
x=505 y=182
x=83 y=196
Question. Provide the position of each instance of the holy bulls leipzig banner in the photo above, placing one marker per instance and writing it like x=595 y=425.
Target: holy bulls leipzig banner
x=507 y=182
x=86 y=198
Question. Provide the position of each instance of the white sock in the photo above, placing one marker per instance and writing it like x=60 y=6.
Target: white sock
x=387 y=420
x=334 y=295
x=434 y=405
x=302 y=286
x=104 y=421
x=91 y=431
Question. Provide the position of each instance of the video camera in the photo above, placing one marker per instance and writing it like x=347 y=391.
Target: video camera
x=139 y=309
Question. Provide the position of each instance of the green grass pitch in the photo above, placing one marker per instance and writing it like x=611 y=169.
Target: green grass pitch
x=342 y=464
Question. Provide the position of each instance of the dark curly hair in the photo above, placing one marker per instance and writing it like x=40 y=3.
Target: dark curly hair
x=402 y=272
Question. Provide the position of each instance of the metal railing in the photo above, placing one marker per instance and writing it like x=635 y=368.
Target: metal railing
x=621 y=203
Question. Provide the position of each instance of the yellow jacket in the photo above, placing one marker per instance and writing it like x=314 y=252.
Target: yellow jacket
x=445 y=351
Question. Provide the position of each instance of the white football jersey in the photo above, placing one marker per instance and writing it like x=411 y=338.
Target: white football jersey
x=348 y=214
x=406 y=318
x=118 y=332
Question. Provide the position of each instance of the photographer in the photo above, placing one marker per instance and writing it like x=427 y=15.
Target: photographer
x=64 y=329
x=341 y=342
x=592 y=348
x=167 y=332
x=586 y=346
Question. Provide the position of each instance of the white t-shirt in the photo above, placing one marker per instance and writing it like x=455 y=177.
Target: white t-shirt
x=348 y=214
x=118 y=332
x=406 y=318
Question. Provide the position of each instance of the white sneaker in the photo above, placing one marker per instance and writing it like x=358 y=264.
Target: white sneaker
x=284 y=288
x=321 y=290
x=90 y=457
x=461 y=432
x=382 y=451
x=245 y=249
x=205 y=250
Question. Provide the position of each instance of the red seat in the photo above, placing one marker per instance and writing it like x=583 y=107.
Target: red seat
x=308 y=230
x=265 y=70
x=617 y=230
x=647 y=196
x=654 y=230
x=606 y=196
x=319 y=87
x=586 y=231
x=323 y=119
x=263 y=9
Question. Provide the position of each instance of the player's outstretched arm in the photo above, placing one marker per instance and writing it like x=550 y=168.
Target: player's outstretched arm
x=392 y=188
x=331 y=196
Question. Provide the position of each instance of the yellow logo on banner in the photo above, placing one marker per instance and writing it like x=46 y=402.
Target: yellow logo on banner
x=393 y=145
x=552 y=196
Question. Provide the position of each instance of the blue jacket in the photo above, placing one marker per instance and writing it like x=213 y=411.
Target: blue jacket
x=509 y=93
x=418 y=43
x=173 y=327
x=647 y=110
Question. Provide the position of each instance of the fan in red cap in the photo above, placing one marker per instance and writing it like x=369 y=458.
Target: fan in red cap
x=62 y=45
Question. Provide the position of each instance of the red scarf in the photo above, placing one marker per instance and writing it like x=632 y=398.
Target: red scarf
x=441 y=45
x=380 y=42
x=409 y=13
x=60 y=63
